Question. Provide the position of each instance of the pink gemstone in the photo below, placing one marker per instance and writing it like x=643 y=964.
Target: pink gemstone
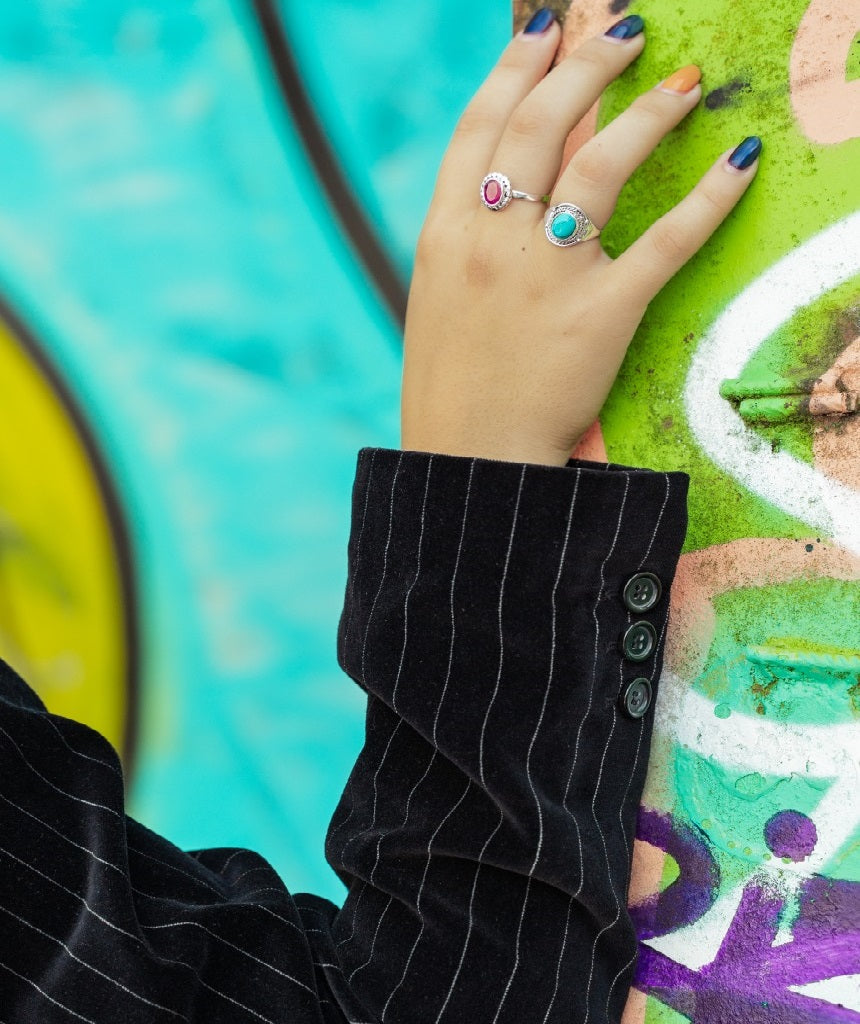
x=492 y=192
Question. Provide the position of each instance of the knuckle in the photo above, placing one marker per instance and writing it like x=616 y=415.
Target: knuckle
x=589 y=60
x=477 y=119
x=527 y=123
x=649 y=110
x=712 y=201
x=671 y=244
x=594 y=168
x=430 y=243
x=516 y=59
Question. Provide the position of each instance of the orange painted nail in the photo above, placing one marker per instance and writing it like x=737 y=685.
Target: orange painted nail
x=682 y=80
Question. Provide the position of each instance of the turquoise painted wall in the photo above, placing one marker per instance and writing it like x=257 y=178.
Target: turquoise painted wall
x=163 y=234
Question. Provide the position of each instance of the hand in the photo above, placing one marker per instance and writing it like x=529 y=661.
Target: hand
x=512 y=343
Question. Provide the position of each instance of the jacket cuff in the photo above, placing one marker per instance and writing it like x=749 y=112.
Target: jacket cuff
x=507 y=621
x=506 y=559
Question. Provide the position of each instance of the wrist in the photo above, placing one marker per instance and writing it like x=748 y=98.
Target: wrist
x=499 y=448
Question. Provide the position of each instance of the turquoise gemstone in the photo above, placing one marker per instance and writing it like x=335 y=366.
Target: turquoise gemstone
x=564 y=225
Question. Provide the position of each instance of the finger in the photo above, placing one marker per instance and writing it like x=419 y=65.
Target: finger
x=531 y=147
x=667 y=245
x=599 y=170
x=524 y=62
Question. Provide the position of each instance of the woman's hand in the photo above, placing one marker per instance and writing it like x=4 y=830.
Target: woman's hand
x=512 y=343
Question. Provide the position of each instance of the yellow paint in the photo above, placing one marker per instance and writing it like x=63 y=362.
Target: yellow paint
x=61 y=618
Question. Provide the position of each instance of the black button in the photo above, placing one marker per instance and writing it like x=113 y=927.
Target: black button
x=642 y=592
x=639 y=641
x=636 y=699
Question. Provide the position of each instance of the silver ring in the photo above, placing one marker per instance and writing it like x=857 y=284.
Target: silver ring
x=497 y=192
x=568 y=224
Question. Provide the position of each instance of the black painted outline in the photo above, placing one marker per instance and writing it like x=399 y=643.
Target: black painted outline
x=116 y=522
x=324 y=161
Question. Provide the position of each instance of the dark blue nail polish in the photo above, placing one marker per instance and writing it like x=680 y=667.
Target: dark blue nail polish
x=746 y=153
x=627 y=28
x=539 y=22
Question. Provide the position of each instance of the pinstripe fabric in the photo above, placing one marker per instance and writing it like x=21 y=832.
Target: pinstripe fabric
x=486 y=829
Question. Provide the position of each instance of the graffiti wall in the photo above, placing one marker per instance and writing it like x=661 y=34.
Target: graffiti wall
x=205 y=232
x=746 y=373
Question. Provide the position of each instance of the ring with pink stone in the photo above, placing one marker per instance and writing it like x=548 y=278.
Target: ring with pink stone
x=497 y=192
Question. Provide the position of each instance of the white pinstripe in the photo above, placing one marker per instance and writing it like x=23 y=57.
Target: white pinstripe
x=90 y=967
x=351 y=935
x=97 y=760
x=642 y=562
x=412 y=586
x=659 y=521
x=373 y=944
x=617 y=918
x=235 y=1002
x=594 y=663
x=384 y=563
x=51 y=999
x=471 y=923
x=403 y=825
x=178 y=871
x=603 y=564
x=268 y=910
x=547 y=689
x=85 y=849
x=560 y=960
x=376 y=864
x=442 y=695
x=394 y=732
x=614 y=922
x=420 y=894
x=358 y=900
x=260 y=867
x=394 y=706
x=133 y=889
x=336 y=828
x=632 y=961
x=501 y=633
x=47 y=781
x=122 y=931
x=65 y=838
x=76 y=896
x=348 y=626
x=342 y=824
x=229 y=860
x=394 y=699
x=382 y=760
x=451 y=600
x=232 y=945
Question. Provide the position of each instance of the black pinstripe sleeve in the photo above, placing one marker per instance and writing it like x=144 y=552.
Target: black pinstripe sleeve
x=484 y=833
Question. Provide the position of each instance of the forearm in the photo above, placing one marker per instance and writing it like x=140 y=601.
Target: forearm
x=486 y=831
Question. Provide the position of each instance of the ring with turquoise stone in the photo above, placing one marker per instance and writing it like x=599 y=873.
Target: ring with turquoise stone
x=568 y=224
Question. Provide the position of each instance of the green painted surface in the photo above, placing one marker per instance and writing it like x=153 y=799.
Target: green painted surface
x=762 y=727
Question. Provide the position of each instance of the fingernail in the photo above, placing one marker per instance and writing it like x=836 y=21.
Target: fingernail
x=627 y=28
x=539 y=22
x=746 y=153
x=682 y=80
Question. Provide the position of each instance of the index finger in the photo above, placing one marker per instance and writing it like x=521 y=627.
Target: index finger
x=523 y=63
x=678 y=235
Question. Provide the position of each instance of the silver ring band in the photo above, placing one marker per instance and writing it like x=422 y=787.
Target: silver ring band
x=497 y=192
x=528 y=195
